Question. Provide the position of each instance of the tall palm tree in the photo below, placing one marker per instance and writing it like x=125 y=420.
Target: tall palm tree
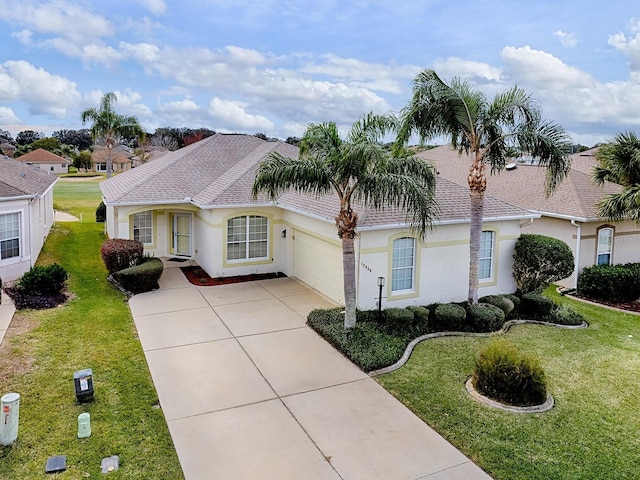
x=619 y=162
x=488 y=131
x=109 y=125
x=359 y=171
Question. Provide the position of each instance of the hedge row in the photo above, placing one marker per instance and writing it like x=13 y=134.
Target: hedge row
x=379 y=340
x=127 y=265
x=614 y=283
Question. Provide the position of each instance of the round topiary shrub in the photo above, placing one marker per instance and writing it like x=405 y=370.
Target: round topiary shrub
x=101 y=213
x=509 y=376
x=398 y=320
x=539 y=260
x=502 y=302
x=485 y=317
x=421 y=318
x=449 y=317
x=536 y=305
x=516 y=302
x=564 y=315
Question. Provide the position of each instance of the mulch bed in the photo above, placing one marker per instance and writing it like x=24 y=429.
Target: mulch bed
x=633 y=306
x=198 y=276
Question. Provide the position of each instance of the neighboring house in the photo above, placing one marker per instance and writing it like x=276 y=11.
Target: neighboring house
x=46 y=161
x=196 y=203
x=570 y=214
x=120 y=162
x=26 y=215
x=150 y=153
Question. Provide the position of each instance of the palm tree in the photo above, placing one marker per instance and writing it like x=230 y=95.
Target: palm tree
x=109 y=125
x=488 y=131
x=359 y=171
x=619 y=162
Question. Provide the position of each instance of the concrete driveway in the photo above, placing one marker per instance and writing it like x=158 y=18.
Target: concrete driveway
x=250 y=392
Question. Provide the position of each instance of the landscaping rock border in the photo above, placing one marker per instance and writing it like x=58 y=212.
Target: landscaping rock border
x=505 y=328
x=547 y=405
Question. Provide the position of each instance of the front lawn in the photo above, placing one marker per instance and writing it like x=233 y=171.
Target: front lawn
x=93 y=330
x=593 y=432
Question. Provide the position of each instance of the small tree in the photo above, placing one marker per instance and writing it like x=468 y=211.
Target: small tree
x=539 y=260
x=83 y=160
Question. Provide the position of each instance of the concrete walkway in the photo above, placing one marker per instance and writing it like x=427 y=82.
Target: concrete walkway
x=6 y=314
x=250 y=392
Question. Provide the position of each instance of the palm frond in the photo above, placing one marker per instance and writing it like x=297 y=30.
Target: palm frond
x=621 y=206
x=278 y=174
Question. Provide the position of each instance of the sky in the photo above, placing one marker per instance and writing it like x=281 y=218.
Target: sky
x=274 y=66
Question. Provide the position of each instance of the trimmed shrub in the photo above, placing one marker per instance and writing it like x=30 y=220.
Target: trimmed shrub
x=501 y=301
x=449 y=317
x=366 y=345
x=40 y=287
x=119 y=253
x=614 y=283
x=539 y=260
x=44 y=280
x=101 y=213
x=398 y=319
x=421 y=318
x=516 y=302
x=142 y=277
x=504 y=374
x=535 y=305
x=485 y=317
x=564 y=315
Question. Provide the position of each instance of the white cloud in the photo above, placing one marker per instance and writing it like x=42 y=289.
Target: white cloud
x=542 y=70
x=459 y=67
x=157 y=7
x=8 y=116
x=233 y=114
x=58 y=17
x=566 y=39
x=630 y=47
x=24 y=36
x=44 y=92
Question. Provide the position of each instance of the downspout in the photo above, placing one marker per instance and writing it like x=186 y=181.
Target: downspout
x=358 y=272
x=577 y=264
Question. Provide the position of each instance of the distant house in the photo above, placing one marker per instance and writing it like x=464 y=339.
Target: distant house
x=195 y=203
x=150 y=154
x=570 y=214
x=46 y=161
x=26 y=215
x=120 y=162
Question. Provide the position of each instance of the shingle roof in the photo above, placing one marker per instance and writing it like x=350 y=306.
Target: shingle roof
x=41 y=155
x=577 y=196
x=17 y=179
x=117 y=156
x=219 y=171
x=216 y=171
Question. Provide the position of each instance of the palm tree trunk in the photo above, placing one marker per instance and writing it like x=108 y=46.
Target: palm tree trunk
x=475 y=236
x=477 y=187
x=349 y=269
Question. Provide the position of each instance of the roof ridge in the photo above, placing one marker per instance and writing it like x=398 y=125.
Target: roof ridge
x=157 y=167
x=228 y=178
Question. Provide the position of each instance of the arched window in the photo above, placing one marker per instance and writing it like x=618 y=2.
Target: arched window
x=403 y=264
x=605 y=246
x=247 y=238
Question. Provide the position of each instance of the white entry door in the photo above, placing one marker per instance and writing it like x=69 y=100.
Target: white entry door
x=182 y=234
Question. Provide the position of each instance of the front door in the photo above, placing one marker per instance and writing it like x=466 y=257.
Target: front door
x=182 y=234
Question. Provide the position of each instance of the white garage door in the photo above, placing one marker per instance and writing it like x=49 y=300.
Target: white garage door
x=319 y=264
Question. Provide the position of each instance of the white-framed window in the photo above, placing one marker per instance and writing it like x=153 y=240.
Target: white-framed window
x=143 y=226
x=403 y=264
x=101 y=167
x=9 y=235
x=485 y=263
x=605 y=246
x=247 y=238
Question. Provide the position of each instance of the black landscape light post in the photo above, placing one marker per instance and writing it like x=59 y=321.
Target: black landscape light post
x=380 y=285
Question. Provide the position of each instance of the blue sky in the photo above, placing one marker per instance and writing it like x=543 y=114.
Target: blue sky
x=275 y=66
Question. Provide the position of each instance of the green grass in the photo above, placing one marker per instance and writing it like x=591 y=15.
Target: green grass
x=593 y=374
x=93 y=330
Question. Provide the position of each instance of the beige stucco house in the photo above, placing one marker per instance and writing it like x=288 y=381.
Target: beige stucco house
x=195 y=203
x=570 y=214
x=45 y=161
x=26 y=215
x=120 y=162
